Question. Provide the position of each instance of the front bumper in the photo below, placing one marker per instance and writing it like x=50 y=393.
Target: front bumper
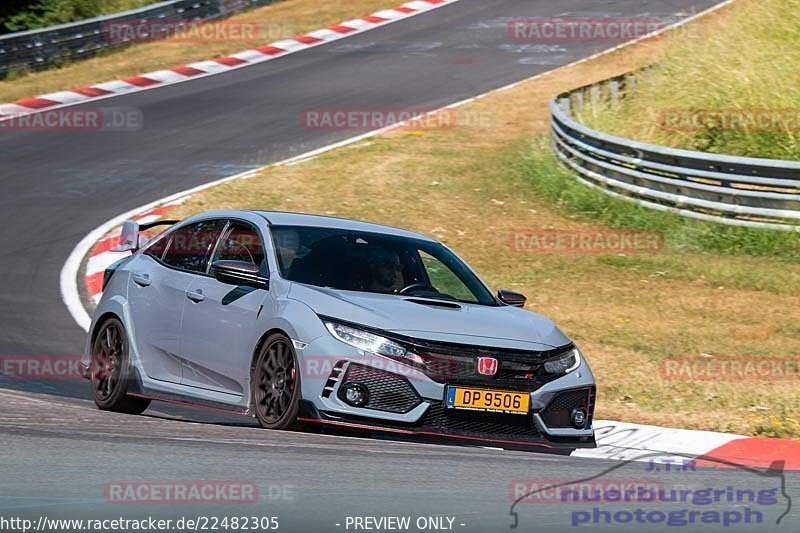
x=438 y=425
x=405 y=401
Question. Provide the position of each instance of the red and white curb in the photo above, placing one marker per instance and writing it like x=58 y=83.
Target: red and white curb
x=199 y=69
x=619 y=441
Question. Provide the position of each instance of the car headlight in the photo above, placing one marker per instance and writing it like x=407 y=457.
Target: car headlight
x=369 y=342
x=563 y=364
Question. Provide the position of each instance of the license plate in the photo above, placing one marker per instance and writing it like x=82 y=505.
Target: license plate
x=488 y=400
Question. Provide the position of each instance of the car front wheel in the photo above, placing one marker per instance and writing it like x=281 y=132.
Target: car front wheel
x=276 y=383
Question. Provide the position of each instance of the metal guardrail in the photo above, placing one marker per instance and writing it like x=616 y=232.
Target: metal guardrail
x=741 y=191
x=54 y=45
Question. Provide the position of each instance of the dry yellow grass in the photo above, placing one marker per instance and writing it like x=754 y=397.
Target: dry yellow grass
x=628 y=314
x=283 y=19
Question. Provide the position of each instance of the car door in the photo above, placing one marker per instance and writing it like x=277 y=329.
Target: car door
x=157 y=287
x=216 y=335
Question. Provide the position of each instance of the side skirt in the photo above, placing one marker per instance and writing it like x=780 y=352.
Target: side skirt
x=137 y=390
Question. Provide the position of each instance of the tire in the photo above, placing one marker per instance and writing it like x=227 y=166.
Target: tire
x=275 y=387
x=111 y=371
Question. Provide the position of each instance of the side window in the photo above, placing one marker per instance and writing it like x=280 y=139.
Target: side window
x=190 y=247
x=240 y=242
x=156 y=249
x=444 y=280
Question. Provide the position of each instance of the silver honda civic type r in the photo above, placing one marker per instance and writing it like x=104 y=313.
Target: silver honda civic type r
x=299 y=319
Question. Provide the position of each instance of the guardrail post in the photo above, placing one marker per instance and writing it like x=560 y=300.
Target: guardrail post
x=578 y=101
x=594 y=94
x=613 y=91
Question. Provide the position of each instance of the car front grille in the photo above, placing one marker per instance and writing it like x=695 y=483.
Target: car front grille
x=458 y=364
x=500 y=426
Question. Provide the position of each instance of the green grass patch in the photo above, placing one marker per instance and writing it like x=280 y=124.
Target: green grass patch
x=542 y=170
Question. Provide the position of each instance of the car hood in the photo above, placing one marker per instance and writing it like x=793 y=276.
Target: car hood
x=502 y=327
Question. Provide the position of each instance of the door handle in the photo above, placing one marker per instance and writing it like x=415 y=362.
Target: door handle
x=195 y=296
x=142 y=279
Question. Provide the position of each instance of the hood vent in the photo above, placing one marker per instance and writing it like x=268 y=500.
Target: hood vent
x=434 y=303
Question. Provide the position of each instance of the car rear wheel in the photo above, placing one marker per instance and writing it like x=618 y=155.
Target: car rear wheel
x=111 y=370
x=276 y=383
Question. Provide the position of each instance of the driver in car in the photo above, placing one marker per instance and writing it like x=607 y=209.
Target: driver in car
x=386 y=272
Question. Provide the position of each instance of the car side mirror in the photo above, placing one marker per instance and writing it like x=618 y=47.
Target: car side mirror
x=511 y=298
x=239 y=273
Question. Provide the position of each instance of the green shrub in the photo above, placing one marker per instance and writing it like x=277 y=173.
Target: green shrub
x=23 y=15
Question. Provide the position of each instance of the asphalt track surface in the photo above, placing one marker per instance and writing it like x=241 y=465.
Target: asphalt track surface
x=57 y=186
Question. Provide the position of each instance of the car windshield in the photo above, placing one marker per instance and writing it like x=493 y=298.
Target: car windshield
x=372 y=262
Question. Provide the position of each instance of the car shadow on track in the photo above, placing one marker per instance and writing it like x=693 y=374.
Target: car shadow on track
x=78 y=389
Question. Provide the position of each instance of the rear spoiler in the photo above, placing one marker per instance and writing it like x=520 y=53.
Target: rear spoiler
x=130 y=238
